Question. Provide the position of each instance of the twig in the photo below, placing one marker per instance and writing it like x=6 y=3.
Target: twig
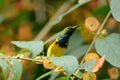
x=76 y=76
x=10 y=70
x=52 y=38
x=55 y=19
x=23 y=58
x=29 y=59
x=44 y=75
x=94 y=39
x=48 y=26
x=96 y=36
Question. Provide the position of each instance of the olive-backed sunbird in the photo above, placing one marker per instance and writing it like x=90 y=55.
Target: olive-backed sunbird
x=60 y=44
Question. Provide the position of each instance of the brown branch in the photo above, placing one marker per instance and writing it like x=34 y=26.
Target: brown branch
x=48 y=26
x=94 y=39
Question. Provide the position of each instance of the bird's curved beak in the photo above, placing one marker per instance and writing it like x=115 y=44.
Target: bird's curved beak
x=77 y=27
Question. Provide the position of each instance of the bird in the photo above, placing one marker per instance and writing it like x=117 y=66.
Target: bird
x=60 y=44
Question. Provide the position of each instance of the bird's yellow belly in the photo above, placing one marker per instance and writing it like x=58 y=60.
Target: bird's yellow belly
x=55 y=50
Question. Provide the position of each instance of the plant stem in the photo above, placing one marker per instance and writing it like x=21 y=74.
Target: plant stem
x=94 y=39
x=23 y=58
x=29 y=59
x=57 y=17
x=52 y=38
x=96 y=36
x=49 y=26
x=44 y=75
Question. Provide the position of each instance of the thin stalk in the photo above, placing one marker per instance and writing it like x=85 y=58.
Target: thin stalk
x=44 y=75
x=23 y=58
x=94 y=39
x=60 y=13
x=96 y=36
x=49 y=26
x=29 y=59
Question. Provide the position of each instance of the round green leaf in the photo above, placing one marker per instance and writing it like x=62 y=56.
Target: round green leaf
x=69 y=63
x=17 y=67
x=115 y=8
x=3 y=65
x=110 y=48
x=35 y=46
x=88 y=66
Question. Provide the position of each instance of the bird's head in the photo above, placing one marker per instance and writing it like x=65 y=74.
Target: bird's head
x=69 y=30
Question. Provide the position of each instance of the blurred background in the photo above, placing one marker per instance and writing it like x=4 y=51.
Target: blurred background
x=23 y=20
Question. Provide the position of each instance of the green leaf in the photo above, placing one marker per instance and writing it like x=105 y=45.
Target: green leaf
x=2 y=51
x=88 y=66
x=76 y=46
x=70 y=10
x=101 y=11
x=35 y=46
x=63 y=78
x=115 y=9
x=80 y=74
x=110 y=48
x=3 y=65
x=69 y=63
x=1 y=4
x=17 y=67
x=2 y=18
x=24 y=51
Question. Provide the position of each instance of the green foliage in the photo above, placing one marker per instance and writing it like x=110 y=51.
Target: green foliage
x=102 y=11
x=2 y=18
x=69 y=63
x=3 y=65
x=88 y=66
x=115 y=8
x=34 y=46
x=24 y=15
x=24 y=51
x=11 y=68
x=2 y=51
x=17 y=68
x=1 y=4
x=80 y=73
x=63 y=78
x=110 y=48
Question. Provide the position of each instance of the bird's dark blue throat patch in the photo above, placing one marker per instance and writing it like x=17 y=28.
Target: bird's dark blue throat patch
x=63 y=40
